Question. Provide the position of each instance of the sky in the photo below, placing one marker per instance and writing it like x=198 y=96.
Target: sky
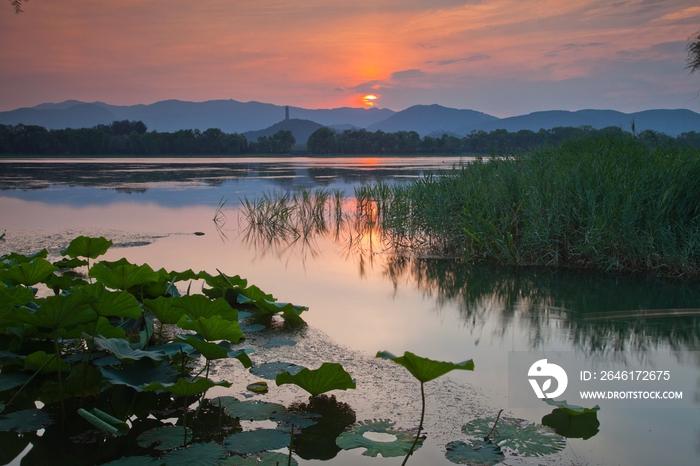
x=501 y=57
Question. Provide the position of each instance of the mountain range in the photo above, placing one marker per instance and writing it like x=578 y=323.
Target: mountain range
x=256 y=119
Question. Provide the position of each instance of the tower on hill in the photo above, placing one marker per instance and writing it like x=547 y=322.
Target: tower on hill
x=286 y=112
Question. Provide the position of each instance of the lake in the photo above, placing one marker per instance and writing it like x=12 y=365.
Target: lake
x=364 y=299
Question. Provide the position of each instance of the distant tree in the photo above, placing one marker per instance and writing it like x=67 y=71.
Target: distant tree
x=693 y=49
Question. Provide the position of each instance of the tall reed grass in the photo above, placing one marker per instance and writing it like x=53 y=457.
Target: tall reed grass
x=611 y=203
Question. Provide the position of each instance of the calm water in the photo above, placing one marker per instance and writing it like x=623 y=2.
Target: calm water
x=368 y=300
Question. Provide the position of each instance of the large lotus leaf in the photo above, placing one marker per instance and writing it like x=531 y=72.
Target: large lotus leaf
x=254 y=441
x=123 y=277
x=112 y=303
x=174 y=348
x=29 y=420
x=213 y=351
x=14 y=296
x=270 y=370
x=102 y=327
x=84 y=246
x=163 y=310
x=221 y=281
x=135 y=461
x=13 y=258
x=139 y=374
x=355 y=438
x=63 y=311
x=188 y=274
x=28 y=273
x=476 y=453
x=197 y=306
x=164 y=438
x=288 y=419
x=571 y=410
x=46 y=363
x=204 y=454
x=66 y=263
x=252 y=294
x=83 y=380
x=121 y=349
x=425 y=369
x=330 y=376
x=582 y=425
x=267 y=303
x=105 y=422
x=519 y=435
x=213 y=328
x=268 y=458
x=185 y=387
x=64 y=282
x=253 y=410
x=10 y=381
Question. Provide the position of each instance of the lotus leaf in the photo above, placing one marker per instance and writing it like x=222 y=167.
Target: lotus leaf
x=300 y=421
x=213 y=328
x=47 y=363
x=57 y=312
x=254 y=328
x=253 y=294
x=204 y=454
x=135 y=461
x=355 y=438
x=254 y=441
x=279 y=342
x=163 y=438
x=13 y=258
x=123 y=277
x=112 y=303
x=121 y=349
x=105 y=422
x=185 y=387
x=249 y=410
x=582 y=425
x=571 y=410
x=64 y=282
x=271 y=370
x=476 y=453
x=330 y=376
x=197 y=306
x=425 y=369
x=257 y=387
x=84 y=246
x=222 y=281
x=66 y=263
x=519 y=435
x=174 y=348
x=13 y=296
x=83 y=380
x=102 y=327
x=28 y=420
x=10 y=381
x=268 y=458
x=140 y=373
x=163 y=310
x=28 y=273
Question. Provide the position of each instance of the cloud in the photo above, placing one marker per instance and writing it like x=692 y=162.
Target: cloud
x=471 y=58
x=406 y=75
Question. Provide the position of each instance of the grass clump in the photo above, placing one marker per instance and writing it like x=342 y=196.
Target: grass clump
x=610 y=203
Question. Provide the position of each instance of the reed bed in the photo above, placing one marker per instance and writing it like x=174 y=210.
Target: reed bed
x=610 y=203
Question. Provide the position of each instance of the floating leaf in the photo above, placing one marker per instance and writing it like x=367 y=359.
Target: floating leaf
x=252 y=328
x=121 y=349
x=270 y=370
x=163 y=310
x=258 y=387
x=135 y=461
x=204 y=454
x=112 y=303
x=476 y=453
x=519 y=435
x=355 y=438
x=249 y=410
x=213 y=328
x=140 y=373
x=571 y=410
x=10 y=381
x=185 y=387
x=254 y=441
x=28 y=273
x=164 y=438
x=330 y=376
x=425 y=369
x=197 y=306
x=84 y=246
x=29 y=420
x=583 y=425
x=123 y=277
x=105 y=422
x=268 y=458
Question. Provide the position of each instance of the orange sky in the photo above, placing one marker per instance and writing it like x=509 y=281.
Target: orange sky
x=502 y=57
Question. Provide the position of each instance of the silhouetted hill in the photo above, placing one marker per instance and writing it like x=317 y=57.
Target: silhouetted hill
x=78 y=115
x=301 y=129
x=425 y=119
x=671 y=122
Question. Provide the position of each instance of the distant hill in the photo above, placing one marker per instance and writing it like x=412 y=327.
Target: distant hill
x=78 y=115
x=671 y=122
x=301 y=129
x=425 y=119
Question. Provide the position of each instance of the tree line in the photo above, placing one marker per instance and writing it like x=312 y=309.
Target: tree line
x=133 y=138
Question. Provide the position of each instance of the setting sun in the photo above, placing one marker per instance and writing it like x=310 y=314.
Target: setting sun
x=369 y=100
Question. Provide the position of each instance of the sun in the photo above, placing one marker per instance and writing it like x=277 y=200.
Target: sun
x=370 y=100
